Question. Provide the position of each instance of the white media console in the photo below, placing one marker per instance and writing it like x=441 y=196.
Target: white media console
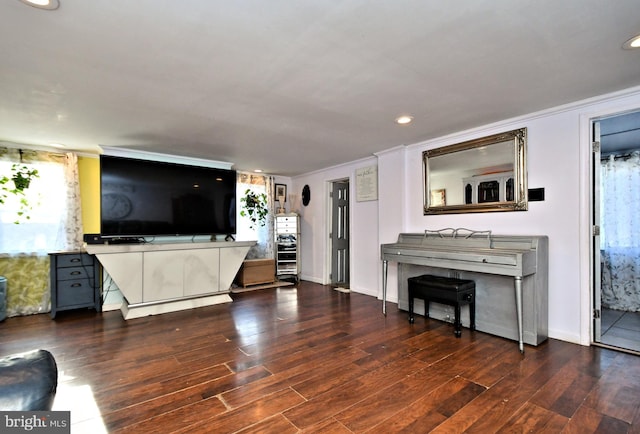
x=167 y=277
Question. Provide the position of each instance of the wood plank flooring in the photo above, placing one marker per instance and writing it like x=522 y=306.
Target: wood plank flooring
x=311 y=359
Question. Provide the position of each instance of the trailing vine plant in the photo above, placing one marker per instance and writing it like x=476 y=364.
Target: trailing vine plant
x=16 y=183
x=255 y=208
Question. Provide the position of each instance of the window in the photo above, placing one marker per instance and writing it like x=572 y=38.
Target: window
x=46 y=228
x=262 y=234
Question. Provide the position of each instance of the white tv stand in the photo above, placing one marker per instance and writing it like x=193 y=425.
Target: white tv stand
x=167 y=277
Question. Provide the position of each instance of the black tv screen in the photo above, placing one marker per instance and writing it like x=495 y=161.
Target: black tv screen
x=141 y=198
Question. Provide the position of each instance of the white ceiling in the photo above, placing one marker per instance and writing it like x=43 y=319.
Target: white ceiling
x=295 y=86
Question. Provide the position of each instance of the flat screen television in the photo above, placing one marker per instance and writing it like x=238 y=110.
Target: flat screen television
x=142 y=198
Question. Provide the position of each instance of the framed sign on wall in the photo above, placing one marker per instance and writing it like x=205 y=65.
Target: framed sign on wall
x=367 y=184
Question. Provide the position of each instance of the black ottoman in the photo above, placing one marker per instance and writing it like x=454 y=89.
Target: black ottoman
x=446 y=290
x=28 y=381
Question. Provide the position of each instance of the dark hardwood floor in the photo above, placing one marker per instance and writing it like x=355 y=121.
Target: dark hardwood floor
x=311 y=359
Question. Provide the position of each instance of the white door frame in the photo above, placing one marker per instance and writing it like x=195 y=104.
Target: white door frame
x=596 y=272
x=586 y=207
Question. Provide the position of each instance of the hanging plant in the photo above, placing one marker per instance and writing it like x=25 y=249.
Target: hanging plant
x=15 y=184
x=22 y=176
x=255 y=208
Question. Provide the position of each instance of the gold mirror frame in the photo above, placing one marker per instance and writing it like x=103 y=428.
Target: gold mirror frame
x=507 y=162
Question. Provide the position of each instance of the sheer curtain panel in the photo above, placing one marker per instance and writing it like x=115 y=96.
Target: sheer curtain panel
x=620 y=231
x=54 y=224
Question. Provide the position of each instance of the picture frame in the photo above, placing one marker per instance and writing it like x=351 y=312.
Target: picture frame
x=439 y=197
x=280 y=190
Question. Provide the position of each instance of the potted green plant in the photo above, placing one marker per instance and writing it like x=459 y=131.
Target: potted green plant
x=16 y=183
x=22 y=176
x=254 y=206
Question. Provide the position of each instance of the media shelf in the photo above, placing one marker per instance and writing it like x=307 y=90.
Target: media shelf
x=156 y=278
x=287 y=237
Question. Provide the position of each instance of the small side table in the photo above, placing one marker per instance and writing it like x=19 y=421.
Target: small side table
x=256 y=272
x=75 y=281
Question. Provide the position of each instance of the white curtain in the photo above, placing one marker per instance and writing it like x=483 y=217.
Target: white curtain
x=263 y=234
x=620 y=232
x=54 y=224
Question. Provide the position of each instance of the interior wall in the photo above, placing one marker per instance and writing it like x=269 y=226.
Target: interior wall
x=558 y=151
x=89 y=173
x=552 y=163
x=393 y=181
x=314 y=225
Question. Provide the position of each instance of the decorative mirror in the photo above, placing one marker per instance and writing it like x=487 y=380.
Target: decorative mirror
x=480 y=175
x=306 y=195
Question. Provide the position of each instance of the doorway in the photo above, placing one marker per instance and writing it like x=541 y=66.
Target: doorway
x=616 y=243
x=339 y=234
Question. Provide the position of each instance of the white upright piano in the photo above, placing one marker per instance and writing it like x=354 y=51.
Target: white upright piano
x=511 y=275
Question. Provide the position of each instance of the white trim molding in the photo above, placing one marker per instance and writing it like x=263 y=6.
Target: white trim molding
x=165 y=158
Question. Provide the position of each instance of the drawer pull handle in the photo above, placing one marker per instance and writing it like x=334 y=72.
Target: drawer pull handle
x=75 y=260
x=75 y=273
x=75 y=285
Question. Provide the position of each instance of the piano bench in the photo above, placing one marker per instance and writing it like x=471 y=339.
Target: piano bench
x=446 y=290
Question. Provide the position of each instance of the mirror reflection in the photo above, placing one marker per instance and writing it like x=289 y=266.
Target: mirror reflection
x=486 y=174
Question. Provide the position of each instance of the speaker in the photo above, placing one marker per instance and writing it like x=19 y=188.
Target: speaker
x=94 y=239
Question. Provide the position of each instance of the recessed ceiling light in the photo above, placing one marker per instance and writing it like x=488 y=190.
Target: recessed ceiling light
x=404 y=119
x=632 y=43
x=42 y=4
x=258 y=170
x=57 y=145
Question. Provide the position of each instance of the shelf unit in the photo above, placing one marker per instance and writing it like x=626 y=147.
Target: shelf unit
x=497 y=187
x=287 y=234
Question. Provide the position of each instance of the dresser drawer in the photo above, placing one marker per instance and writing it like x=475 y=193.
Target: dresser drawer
x=281 y=220
x=287 y=225
x=75 y=273
x=74 y=260
x=287 y=230
x=75 y=293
